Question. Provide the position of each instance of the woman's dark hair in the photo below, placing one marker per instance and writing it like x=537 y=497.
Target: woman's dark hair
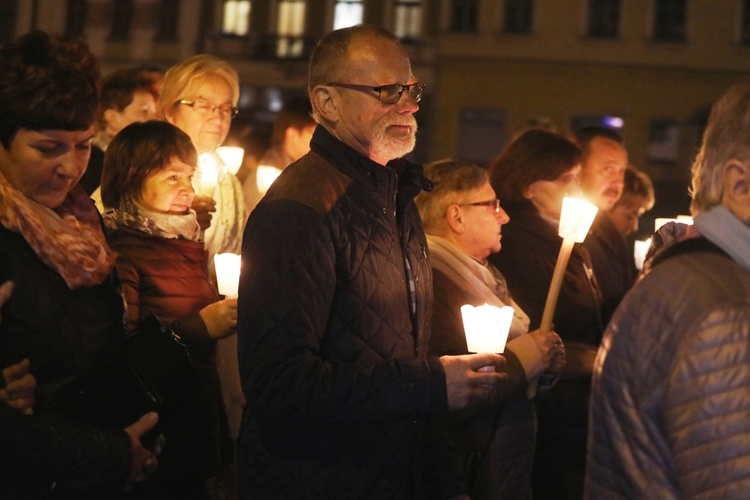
x=47 y=83
x=136 y=152
x=533 y=156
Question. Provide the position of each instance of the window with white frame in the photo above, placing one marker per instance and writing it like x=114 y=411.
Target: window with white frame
x=236 y=20
x=407 y=19
x=347 y=13
x=290 y=28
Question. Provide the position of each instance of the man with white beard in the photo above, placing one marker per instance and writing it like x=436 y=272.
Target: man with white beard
x=335 y=301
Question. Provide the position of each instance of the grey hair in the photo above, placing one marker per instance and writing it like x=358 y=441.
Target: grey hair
x=726 y=138
x=452 y=180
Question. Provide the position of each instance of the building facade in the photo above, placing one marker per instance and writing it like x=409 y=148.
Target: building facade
x=649 y=67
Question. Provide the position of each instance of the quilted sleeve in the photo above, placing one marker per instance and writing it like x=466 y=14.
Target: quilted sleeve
x=287 y=286
x=707 y=409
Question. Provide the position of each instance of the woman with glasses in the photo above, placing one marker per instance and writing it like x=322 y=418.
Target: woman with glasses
x=200 y=97
x=463 y=219
x=532 y=175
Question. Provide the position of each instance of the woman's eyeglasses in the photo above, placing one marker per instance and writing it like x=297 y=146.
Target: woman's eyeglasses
x=205 y=108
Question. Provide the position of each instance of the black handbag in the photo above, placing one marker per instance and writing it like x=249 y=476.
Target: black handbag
x=152 y=371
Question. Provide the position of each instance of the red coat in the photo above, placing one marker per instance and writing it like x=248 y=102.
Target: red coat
x=169 y=278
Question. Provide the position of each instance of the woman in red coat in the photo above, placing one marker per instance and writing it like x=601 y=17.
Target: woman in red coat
x=147 y=191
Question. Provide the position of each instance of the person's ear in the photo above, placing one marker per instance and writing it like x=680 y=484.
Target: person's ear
x=528 y=191
x=454 y=218
x=111 y=118
x=736 y=187
x=325 y=103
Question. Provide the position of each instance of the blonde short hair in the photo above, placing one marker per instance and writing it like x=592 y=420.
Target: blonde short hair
x=182 y=80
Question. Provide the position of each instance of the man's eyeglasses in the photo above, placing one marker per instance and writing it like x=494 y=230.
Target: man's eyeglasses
x=495 y=204
x=205 y=108
x=389 y=94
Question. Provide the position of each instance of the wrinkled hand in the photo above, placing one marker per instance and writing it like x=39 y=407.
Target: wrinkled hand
x=203 y=206
x=550 y=346
x=144 y=461
x=220 y=318
x=466 y=385
x=19 y=387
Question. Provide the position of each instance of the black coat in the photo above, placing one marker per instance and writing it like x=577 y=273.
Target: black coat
x=66 y=334
x=332 y=359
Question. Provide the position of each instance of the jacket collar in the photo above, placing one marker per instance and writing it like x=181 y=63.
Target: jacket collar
x=722 y=228
x=364 y=170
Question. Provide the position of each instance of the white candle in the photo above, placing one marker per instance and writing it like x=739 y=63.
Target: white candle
x=576 y=218
x=486 y=327
x=575 y=221
x=232 y=157
x=209 y=174
x=227 y=273
x=640 y=250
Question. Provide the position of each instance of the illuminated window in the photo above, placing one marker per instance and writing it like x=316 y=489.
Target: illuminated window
x=291 y=28
x=122 y=19
x=236 y=19
x=518 y=16
x=407 y=19
x=604 y=18
x=168 y=20
x=464 y=16
x=347 y=13
x=669 y=20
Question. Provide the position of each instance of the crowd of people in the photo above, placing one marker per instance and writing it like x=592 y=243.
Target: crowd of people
x=342 y=369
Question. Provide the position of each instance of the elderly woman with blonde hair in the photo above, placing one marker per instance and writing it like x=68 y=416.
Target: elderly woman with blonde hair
x=669 y=399
x=200 y=97
x=463 y=219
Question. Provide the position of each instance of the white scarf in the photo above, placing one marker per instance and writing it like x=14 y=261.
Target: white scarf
x=475 y=279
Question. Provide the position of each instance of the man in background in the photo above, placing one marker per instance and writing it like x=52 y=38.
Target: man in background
x=290 y=140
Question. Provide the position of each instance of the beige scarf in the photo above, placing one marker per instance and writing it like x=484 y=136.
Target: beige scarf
x=68 y=239
x=476 y=279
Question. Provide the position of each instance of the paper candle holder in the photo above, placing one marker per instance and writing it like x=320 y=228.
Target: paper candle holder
x=486 y=327
x=228 y=273
x=231 y=156
x=576 y=218
x=208 y=177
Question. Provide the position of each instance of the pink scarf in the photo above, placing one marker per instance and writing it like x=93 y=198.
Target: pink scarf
x=69 y=239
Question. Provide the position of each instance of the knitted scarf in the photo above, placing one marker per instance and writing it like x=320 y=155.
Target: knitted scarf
x=69 y=239
x=135 y=216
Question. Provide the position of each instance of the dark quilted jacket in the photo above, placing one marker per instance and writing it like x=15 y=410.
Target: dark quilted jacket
x=333 y=364
x=66 y=334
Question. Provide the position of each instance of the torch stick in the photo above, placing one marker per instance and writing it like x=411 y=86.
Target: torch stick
x=575 y=220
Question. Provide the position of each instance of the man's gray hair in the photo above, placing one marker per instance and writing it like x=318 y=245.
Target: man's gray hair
x=726 y=138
